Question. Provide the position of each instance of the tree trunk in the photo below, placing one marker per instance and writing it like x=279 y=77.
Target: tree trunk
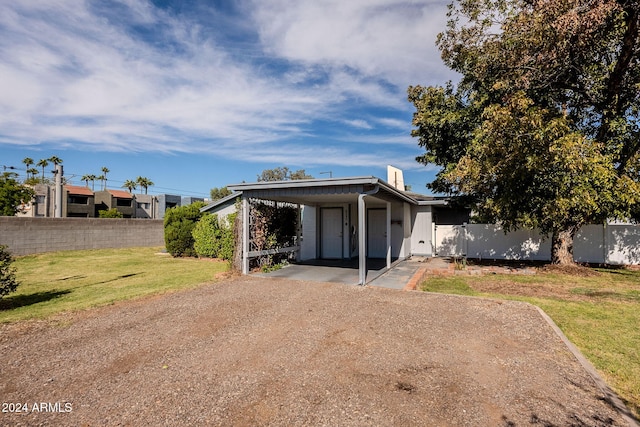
x=562 y=246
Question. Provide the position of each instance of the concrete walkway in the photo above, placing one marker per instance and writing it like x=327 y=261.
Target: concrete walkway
x=406 y=274
x=346 y=272
x=333 y=271
x=399 y=275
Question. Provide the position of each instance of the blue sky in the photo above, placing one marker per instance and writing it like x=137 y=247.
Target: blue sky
x=201 y=94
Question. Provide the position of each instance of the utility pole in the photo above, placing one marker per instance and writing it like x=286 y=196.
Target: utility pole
x=58 y=190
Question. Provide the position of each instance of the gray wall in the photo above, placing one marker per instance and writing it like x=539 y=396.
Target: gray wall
x=26 y=236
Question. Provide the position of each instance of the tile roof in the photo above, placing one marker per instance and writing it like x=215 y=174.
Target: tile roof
x=79 y=190
x=121 y=194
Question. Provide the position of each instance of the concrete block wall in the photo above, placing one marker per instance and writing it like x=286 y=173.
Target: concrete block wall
x=26 y=236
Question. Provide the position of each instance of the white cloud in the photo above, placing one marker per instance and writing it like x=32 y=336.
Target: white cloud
x=73 y=74
x=390 y=39
x=359 y=123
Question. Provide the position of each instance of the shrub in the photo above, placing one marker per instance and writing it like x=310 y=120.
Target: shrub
x=214 y=238
x=8 y=282
x=206 y=236
x=179 y=223
x=111 y=213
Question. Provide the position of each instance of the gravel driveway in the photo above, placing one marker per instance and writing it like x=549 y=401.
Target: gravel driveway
x=259 y=351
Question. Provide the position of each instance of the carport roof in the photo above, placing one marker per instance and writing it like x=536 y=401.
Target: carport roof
x=328 y=189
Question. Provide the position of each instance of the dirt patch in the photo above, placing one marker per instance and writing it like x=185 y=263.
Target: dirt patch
x=572 y=270
x=257 y=351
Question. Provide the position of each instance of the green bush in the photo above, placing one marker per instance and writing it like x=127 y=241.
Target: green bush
x=111 y=213
x=206 y=236
x=8 y=282
x=179 y=223
x=213 y=238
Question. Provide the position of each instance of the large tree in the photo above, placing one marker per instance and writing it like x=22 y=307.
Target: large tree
x=283 y=174
x=13 y=195
x=219 y=193
x=43 y=163
x=542 y=129
x=144 y=182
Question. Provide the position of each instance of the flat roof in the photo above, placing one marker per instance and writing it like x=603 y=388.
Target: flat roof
x=340 y=186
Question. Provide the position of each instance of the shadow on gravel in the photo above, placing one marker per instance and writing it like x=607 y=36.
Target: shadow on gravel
x=16 y=301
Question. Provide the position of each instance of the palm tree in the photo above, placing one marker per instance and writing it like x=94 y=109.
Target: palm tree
x=102 y=184
x=105 y=171
x=86 y=179
x=92 y=178
x=55 y=160
x=144 y=183
x=43 y=163
x=32 y=171
x=130 y=185
x=28 y=161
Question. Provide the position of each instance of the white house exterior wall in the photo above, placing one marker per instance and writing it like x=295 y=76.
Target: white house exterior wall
x=421 y=231
x=226 y=211
x=309 y=234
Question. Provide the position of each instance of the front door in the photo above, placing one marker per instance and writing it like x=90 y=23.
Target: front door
x=331 y=242
x=377 y=233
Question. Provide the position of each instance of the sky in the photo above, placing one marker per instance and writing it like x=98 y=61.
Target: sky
x=201 y=94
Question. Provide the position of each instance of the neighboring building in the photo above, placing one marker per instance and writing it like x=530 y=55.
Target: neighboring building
x=80 y=202
x=123 y=201
x=146 y=206
x=167 y=201
x=187 y=200
x=42 y=203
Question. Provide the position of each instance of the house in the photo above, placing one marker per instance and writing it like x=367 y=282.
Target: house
x=121 y=200
x=345 y=218
x=223 y=207
x=80 y=202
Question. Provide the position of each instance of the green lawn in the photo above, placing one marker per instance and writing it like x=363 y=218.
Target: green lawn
x=599 y=314
x=75 y=280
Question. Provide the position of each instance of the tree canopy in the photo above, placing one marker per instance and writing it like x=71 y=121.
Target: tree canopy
x=13 y=194
x=542 y=129
x=282 y=174
x=219 y=193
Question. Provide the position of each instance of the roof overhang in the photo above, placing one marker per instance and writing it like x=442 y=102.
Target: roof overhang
x=222 y=202
x=328 y=190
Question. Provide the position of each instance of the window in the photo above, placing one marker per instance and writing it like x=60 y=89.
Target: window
x=143 y=205
x=77 y=200
x=123 y=202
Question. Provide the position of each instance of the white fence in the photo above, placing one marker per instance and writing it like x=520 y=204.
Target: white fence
x=601 y=244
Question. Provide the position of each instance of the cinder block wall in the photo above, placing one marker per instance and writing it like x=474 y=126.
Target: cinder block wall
x=25 y=236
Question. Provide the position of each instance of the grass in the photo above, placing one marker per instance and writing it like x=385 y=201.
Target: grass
x=57 y=282
x=600 y=314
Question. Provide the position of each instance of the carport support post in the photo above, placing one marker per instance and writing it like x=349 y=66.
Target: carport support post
x=388 y=233
x=362 y=242
x=245 y=235
x=299 y=232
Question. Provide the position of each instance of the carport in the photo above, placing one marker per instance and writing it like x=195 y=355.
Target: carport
x=341 y=219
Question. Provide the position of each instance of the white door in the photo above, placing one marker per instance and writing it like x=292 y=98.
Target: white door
x=377 y=233
x=331 y=232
